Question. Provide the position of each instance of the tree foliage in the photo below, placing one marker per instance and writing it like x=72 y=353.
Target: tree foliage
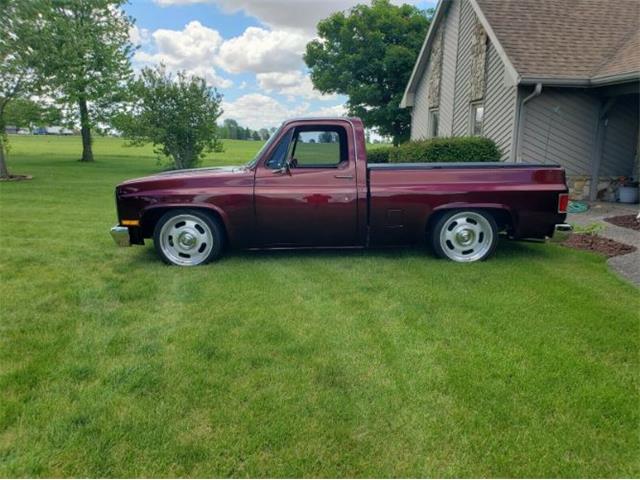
x=18 y=39
x=25 y=113
x=368 y=54
x=84 y=57
x=177 y=114
x=232 y=130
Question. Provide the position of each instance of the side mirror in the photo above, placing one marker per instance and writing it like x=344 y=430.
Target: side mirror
x=286 y=168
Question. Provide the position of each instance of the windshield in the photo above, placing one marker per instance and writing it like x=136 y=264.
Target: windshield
x=264 y=148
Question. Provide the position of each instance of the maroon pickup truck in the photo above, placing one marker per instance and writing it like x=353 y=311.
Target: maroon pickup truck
x=310 y=186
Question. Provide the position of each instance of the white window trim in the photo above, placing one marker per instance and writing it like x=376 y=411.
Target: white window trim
x=472 y=117
x=430 y=126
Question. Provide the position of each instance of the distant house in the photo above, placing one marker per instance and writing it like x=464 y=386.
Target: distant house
x=553 y=81
x=53 y=130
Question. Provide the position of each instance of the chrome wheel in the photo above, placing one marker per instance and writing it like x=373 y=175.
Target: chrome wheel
x=466 y=237
x=186 y=240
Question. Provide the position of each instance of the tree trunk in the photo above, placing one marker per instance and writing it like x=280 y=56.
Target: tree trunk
x=4 y=172
x=85 y=130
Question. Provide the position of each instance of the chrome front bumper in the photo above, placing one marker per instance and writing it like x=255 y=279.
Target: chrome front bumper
x=120 y=235
x=564 y=227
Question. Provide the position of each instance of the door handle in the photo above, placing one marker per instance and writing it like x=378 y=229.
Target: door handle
x=348 y=177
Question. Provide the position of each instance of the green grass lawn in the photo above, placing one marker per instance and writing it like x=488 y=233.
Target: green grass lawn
x=373 y=363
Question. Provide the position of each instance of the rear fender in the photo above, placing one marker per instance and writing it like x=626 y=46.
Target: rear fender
x=503 y=214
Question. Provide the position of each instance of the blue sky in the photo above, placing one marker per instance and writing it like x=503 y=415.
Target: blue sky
x=251 y=50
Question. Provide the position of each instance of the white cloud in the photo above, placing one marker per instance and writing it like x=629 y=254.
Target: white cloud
x=256 y=110
x=284 y=14
x=138 y=36
x=259 y=50
x=192 y=49
x=335 y=111
x=292 y=84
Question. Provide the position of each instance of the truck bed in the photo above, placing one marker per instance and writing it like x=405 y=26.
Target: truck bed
x=401 y=195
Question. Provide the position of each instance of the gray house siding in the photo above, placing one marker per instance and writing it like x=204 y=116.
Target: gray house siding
x=463 y=70
x=559 y=126
x=450 y=52
x=454 y=109
x=499 y=104
x=420 y=112
x=620 y=138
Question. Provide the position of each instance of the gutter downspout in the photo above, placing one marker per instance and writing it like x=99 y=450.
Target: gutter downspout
x=520 y=120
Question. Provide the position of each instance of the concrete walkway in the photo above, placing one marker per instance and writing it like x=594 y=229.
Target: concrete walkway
x=628 y=266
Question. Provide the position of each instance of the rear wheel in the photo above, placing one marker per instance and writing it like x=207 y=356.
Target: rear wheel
x=465 y=235
x=188 y=238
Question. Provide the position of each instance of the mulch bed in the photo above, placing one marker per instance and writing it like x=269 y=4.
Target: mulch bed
x=16 y=178
x=594 y=243
x=626 y=221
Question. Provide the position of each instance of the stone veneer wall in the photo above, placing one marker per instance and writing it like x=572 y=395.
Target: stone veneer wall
x=478 y=62
x=580 y=187
x=436 y=71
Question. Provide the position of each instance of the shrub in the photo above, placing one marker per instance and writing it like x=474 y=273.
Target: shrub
x=446 y=149
x=379 y=155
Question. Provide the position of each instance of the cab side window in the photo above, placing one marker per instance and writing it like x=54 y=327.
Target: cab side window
x=319 y=147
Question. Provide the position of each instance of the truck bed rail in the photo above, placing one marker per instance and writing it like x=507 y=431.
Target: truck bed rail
x=433 y=166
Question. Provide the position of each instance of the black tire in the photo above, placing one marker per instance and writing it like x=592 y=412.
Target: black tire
x=201 y=238
x=477 y=227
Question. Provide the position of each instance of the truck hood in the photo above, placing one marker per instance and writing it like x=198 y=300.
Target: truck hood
x=193 y=177
x=188 y=172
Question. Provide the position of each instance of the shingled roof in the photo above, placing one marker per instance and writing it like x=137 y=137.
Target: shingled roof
x=567 y=39
x=562 y=42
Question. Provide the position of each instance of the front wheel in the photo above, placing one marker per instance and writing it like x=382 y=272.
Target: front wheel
x=465 y=235
x=188 y=238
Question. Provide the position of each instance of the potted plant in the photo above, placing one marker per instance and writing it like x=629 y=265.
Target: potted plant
x=628 y=191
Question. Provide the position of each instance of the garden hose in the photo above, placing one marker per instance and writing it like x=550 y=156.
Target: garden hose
x=577 y=207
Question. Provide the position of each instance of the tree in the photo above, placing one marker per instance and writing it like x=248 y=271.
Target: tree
x=326 y=137
x=18 y=38
x=255 y=135
x=25 y=113
x=84 y=54
x=176 y=114
x=264 y=134
x=232 y=128
x=368 y=54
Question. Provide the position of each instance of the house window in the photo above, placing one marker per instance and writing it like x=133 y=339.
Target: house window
x=476 y=119
x=434 y=117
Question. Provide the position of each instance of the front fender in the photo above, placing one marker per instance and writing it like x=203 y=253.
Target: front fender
x=150 y=214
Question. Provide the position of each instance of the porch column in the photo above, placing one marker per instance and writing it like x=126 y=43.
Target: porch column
x=596 y=156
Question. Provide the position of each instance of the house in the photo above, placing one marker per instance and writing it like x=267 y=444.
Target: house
x=52 y=130
x=550 y=81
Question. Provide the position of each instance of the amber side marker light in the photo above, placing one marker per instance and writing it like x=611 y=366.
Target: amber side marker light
x=563 y=202
x=130 y=223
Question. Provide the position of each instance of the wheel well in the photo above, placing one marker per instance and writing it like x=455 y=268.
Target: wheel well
x=501 y=216
x=151 y=217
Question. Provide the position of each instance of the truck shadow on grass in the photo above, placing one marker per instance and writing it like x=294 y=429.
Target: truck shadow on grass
x=506 y=250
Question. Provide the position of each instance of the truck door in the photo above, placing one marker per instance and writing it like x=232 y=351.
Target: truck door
x=305 y=190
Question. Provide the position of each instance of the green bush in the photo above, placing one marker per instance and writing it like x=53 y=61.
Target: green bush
x=446 y=149
x=379 y=155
